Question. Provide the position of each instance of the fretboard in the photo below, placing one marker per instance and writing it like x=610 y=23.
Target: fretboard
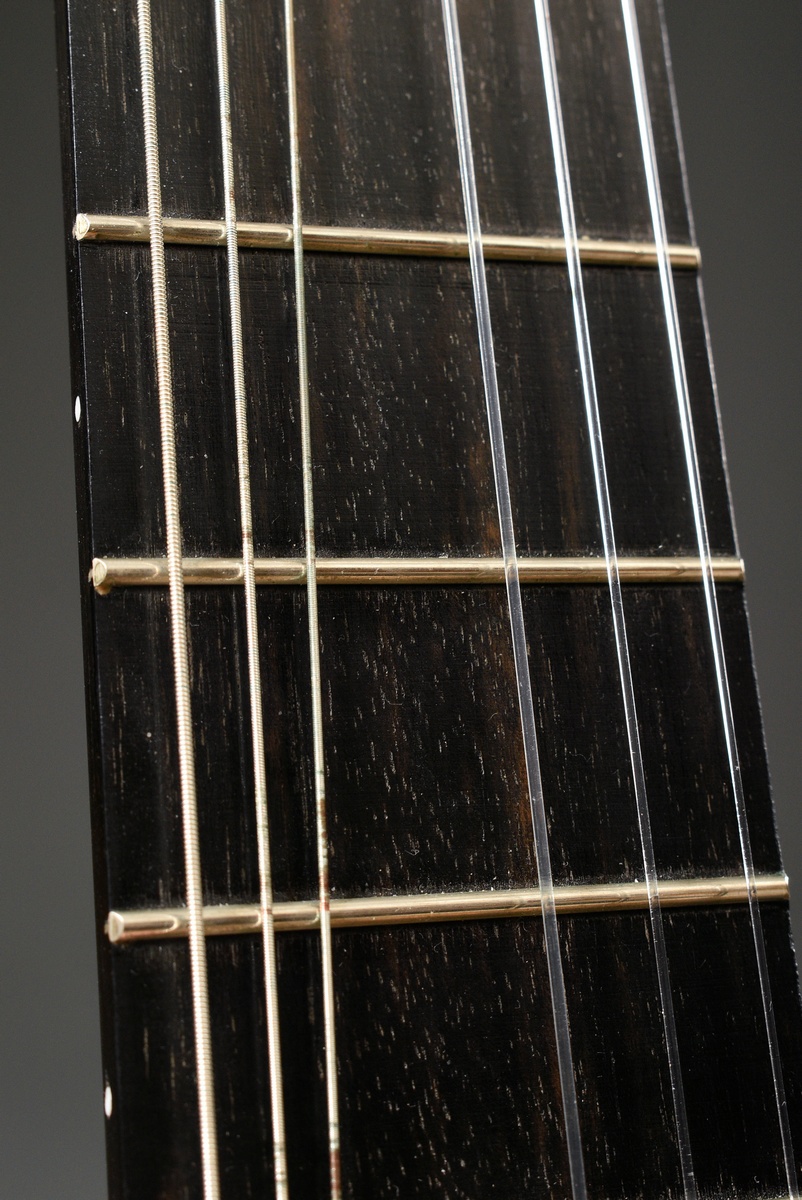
x=431 y=1030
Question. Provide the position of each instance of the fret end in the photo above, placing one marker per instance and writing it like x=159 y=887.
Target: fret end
x=114 y=928
x=97 y=577
x=82 y=228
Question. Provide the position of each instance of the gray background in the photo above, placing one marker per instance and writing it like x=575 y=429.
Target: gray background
x=740 y=96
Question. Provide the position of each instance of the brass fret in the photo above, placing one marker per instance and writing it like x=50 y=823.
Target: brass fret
x=264 y=236
x=109 y=573
x=149 y=924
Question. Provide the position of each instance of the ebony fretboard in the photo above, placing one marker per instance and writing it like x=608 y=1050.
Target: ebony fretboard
x=447 y=1070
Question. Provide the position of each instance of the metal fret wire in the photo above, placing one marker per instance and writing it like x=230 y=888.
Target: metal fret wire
x=186 y=753
x=614 y=580
x=717 y=642
x=518 y=631
x=329 y=1036
x=251 y=619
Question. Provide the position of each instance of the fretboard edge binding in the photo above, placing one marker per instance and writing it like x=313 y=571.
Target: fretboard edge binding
x=109 y=573
x=233 y=919
x=255 y=235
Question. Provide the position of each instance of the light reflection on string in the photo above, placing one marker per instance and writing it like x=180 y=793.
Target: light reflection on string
x=251 y=619
x=324 y=893
x=518 y=631
x=703 y=541
x=614 y=581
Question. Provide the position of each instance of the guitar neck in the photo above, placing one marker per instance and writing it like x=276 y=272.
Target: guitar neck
x=398 y=788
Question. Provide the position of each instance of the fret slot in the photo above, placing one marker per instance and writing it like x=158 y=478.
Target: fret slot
x=229 y=919
x=109 y=573
x=258 y=235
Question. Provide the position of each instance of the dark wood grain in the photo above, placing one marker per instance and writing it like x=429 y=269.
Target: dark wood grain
x=426 y=784
x=379 y=146
x=402 y=458
x=447 y=1072
x=448 y=1062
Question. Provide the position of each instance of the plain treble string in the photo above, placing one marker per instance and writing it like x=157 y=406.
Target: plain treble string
x=518 y=630
x=251 y=618
x=186 y=751
x=324 y=890
x=587 y=373
x=697 y=503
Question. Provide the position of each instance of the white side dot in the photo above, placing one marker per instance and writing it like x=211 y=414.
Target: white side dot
x=108 y=1102
x=77 y=410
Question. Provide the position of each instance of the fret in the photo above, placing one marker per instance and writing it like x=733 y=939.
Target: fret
x=252 y=235
x=234 y=919
x=109 y=573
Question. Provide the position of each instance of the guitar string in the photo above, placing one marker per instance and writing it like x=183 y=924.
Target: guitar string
x=714 y=623
x=518 y=631
x=251 y=617
x=324 y=891
x=200 y=991
x=172 y=512
x=587 y=373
